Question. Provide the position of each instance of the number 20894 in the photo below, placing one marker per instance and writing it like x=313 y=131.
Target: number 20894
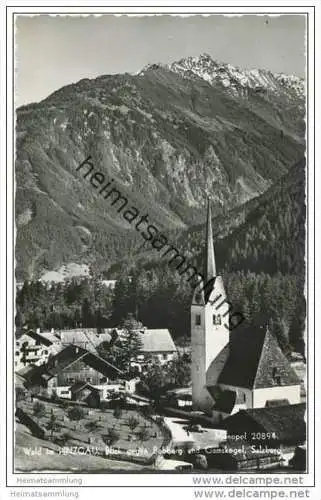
x=263 y=436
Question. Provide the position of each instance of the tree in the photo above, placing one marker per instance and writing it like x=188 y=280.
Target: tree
x=148 y=411
x=132 y=423
x=123 y=301
x=52 y=424
x=118 y=412
x=122 y=353
x=247 y=313
x=201 y=462
x=54 y=396
x=112 y=437
x=39 y=410
x=154 y=382
x=92 y=426
x=87 y=313
x=64 y=404
x=280 y=330
x=179 y=371
x=75 y=413
x=19 y=321
x=143 y=434
x=20 y=394
x=158 y=378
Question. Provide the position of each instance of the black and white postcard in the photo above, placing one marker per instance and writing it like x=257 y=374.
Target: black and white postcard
x=160 y=251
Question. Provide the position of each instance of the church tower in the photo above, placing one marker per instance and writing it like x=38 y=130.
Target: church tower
x=209 y=323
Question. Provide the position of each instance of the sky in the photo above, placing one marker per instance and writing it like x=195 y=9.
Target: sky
x=53 y=51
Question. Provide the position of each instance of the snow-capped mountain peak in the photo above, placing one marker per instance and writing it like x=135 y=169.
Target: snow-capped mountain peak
x=237 y=80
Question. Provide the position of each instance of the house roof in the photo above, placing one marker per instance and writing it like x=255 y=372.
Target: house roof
x=66 y=357
x=63 y=359
x=80 y=385
x=253 y=359
x=46 y=338
x=26 y=370
x=287 y=422
x=55 y=348
x=272 y=403
x=153 y=340
x=180 y=391
x=86 y=338
x=22 y=335
x=52 y=337
x=104 y=337
x=19 y=381
x=157 y=340
x=101 y=365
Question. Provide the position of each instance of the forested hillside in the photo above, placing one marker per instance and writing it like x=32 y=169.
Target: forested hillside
x=269 y=231
x=262 y=261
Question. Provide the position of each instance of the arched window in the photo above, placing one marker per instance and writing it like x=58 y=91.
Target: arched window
x=242 y=397
x=276 y=376
x=217 y=319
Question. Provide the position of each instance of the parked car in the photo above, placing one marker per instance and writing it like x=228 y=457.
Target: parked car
x=194 y=428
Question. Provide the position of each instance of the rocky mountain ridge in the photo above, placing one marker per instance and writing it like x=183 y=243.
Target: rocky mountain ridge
x=168 y=137
x=234 y=78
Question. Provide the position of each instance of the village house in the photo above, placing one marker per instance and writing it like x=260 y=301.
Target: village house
x=85 y=393
x=56 y=361
x=87 y=338
x=69 y=365
x=33 y=347
x=157 y=345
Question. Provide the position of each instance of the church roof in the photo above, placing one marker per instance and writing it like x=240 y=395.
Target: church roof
x=216 y=366
x=253 y=360
x=209 y=257
x=209 y=271
x=274 y=368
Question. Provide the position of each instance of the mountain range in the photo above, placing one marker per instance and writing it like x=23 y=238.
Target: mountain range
x=265 y=234
x=171 y=136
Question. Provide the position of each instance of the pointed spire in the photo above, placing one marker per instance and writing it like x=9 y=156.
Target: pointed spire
x=209 y=261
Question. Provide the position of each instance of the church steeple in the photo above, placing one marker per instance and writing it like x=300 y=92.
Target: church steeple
x=209 y=324
x=209 y=257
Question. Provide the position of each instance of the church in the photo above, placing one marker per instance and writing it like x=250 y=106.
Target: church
x=233 y=369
